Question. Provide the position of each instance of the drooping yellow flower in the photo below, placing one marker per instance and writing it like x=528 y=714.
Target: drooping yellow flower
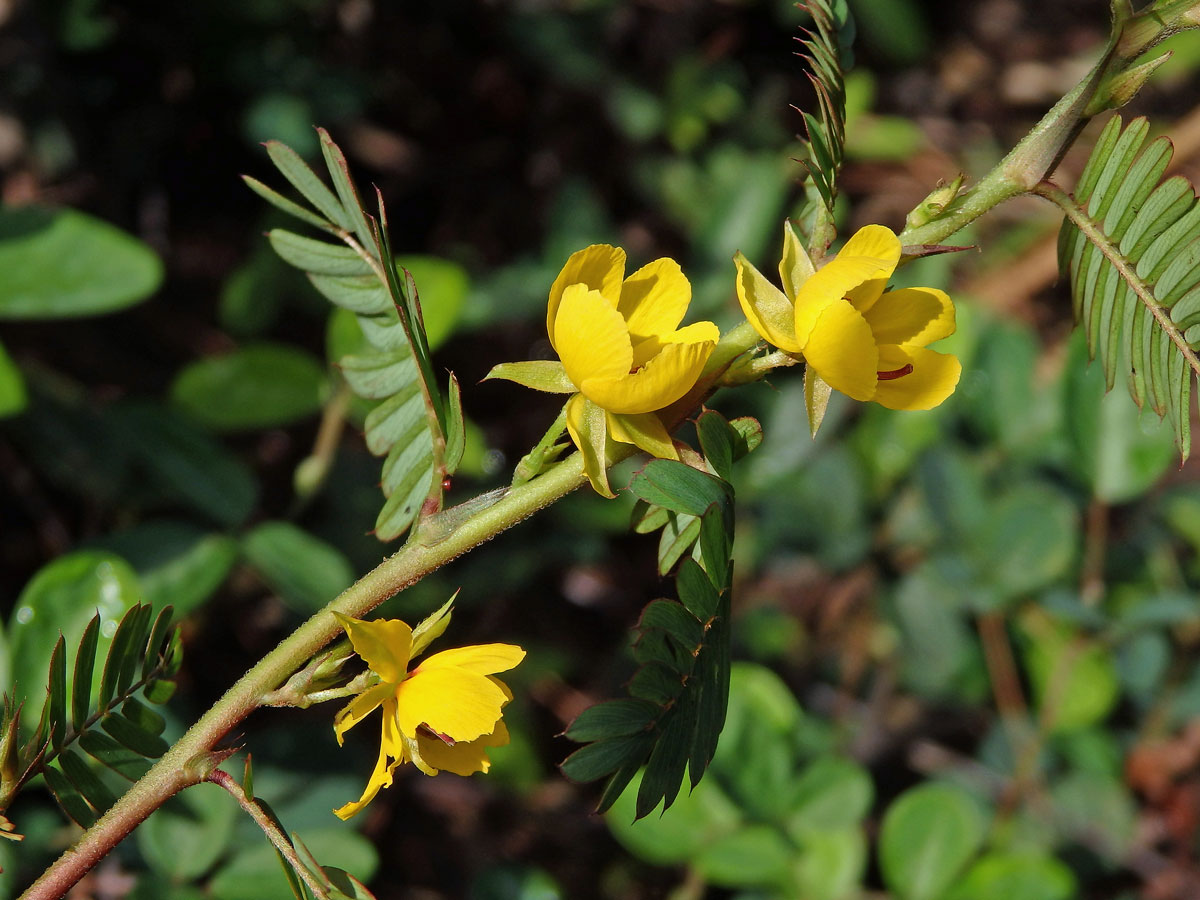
x=622 y=352
x=866 y=342
x=443 y=714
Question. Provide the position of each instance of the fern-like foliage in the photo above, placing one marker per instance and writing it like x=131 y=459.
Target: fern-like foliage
x=826 y=51
x=417 y=430
x=673 y=717
x=104 y=720
x=1131 y=246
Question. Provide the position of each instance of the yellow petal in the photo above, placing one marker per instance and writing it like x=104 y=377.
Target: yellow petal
x=540 y=374
x=916 y=316
x=696 y=333
x=659 y=383
x=380 y=778
x=385 y=645
x=654 y=299
x=592 y=338
x=360 y=707
x=874 y=242
x=459 y=704
x=841 y=349
x=599 y=266
x=588 y=427
x=483 y=659
x=860 y=271
x=795 y=267
x=766 y=307
x=463 y=758
x=500 y=684
x=644 y=430
x=432 y=626
x=932 y=380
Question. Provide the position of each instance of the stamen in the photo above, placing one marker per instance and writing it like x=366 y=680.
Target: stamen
x=906 y=369
x=444 y=738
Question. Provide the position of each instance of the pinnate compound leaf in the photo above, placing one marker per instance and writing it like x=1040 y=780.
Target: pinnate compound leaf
x=394 y=366
x=1129 y=245
x=681 y=692
x=825 y=48
x=306 y=181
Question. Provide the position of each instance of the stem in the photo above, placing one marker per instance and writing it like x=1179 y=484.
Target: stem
x=269 y=827
x=187 y=762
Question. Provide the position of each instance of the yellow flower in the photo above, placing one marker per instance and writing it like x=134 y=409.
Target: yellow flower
x=863 y=341
x=444 y=714
x=622 y=352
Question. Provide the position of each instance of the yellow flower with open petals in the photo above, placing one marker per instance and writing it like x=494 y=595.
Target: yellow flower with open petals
x=866 y=342
x=443 y=714
x=622 y=352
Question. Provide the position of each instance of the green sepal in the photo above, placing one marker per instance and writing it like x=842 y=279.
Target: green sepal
x=539 y=374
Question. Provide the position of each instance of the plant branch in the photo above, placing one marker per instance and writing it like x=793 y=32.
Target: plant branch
x=270 y=828
x=188 y=761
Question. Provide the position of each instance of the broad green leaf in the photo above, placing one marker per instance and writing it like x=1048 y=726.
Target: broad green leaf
x=306 y=571
x=751 y=856
x=184 y=461
x=831 y=864
x=1007 y=876
x=928 y=836
x=1099 y=809
x=13 y=396
x=512 y=882
x=63 y=263
x=1074 y=679
x=698 y=819
x=257 y=386
x=177 y=563
x=185 y=837
x=832 y=794
x=716 y=442
x=63 y=597
x=1029 y=539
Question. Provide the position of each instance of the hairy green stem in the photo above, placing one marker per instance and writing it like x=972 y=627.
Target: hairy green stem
x=270 y=828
